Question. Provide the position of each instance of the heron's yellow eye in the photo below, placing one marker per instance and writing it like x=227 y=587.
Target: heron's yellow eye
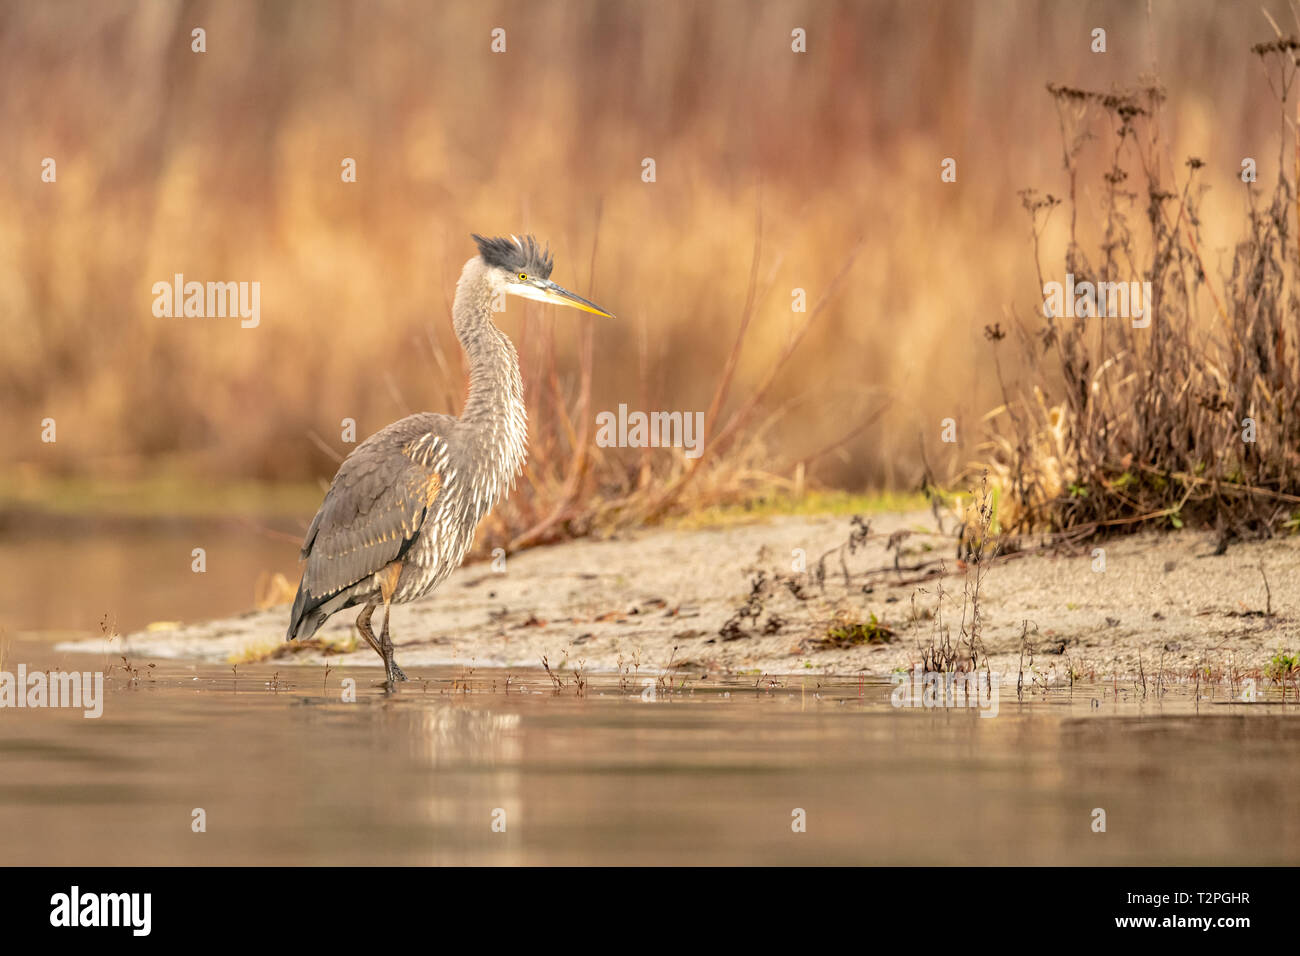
x=523 y=277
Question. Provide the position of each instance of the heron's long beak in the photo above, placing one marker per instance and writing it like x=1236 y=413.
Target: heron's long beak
x=562 y=296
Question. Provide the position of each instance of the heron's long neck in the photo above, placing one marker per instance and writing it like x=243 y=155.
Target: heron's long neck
x=496 y=420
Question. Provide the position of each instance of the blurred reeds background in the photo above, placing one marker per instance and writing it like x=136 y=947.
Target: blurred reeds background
x=225 y=166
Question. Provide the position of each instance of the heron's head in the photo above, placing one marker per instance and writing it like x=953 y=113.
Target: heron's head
x=522 y=267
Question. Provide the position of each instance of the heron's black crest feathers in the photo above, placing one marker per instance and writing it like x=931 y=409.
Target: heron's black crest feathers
x=516 y=255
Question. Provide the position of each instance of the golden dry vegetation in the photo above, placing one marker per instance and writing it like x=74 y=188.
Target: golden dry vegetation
x=775 y=171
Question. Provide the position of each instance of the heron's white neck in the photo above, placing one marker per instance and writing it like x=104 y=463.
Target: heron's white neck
x=495 y=419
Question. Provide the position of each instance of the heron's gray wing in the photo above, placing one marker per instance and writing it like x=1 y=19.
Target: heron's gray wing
x=376 y=505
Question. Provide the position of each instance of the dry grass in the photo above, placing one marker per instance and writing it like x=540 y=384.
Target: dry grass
x=980 y=547
x=571 y=487
x=226 y=166
x=220 y=168
x=1118 y=427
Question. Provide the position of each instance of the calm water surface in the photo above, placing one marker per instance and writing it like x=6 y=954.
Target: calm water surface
x=70 y=574
x=289 y=773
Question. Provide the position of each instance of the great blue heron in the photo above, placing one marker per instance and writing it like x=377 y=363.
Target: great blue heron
x=401 y=512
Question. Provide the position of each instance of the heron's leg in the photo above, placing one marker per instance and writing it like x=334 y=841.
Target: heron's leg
x=363 y=625
x=386 y=642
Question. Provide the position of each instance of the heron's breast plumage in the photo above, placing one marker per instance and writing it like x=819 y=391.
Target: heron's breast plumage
x=476 y=467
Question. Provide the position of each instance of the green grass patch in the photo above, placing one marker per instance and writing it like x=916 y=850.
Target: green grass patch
x=850 y=633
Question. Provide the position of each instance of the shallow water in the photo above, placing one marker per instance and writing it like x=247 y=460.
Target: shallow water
x=289 y=773
x=71 y=574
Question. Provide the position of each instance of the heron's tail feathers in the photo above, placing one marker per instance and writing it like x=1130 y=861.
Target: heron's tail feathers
x=310 y=612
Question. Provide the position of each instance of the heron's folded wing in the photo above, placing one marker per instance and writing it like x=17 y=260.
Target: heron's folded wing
x=373 y=510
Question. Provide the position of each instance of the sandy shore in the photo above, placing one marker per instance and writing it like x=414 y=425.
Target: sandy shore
x=661 y=598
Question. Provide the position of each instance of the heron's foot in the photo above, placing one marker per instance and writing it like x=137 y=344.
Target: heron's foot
x=394 y=673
